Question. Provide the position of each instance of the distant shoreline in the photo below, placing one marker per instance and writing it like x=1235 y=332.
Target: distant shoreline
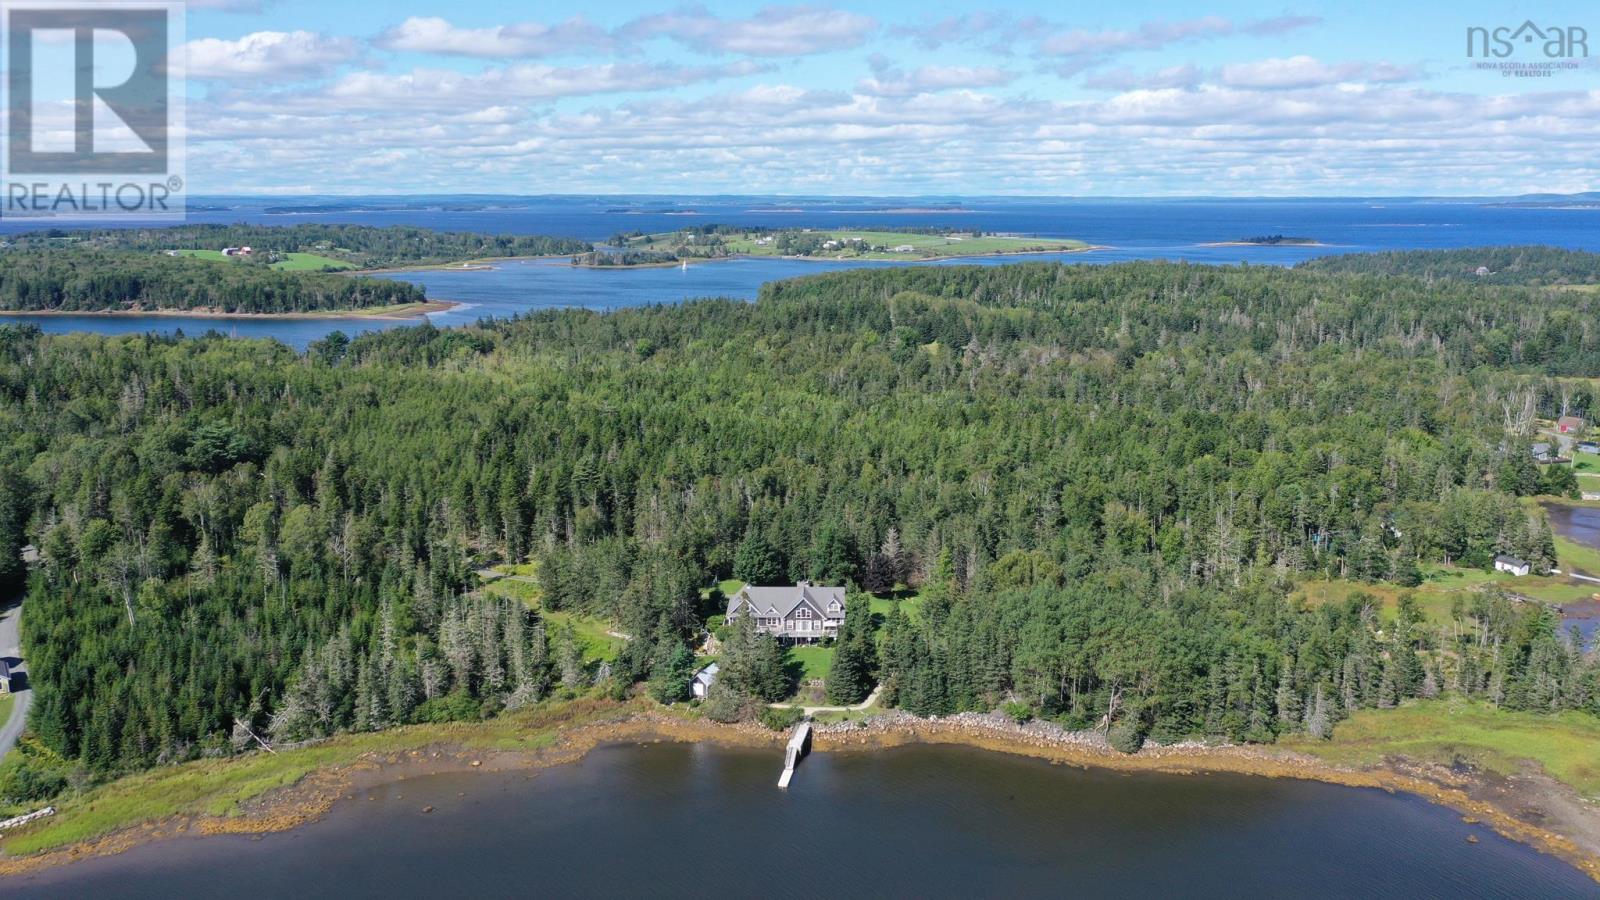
x=401 y=312
x=1263 y=244
x=837 y=259
x=481 y=264
x=570 y=732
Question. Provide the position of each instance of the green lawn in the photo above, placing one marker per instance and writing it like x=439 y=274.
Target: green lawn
x=1572 y=554
x=1443 y=731
x=292 y=262
x=908 y=600
x=815 y=661
x=591 y=631
x=925 y=246
x=1442 y=585
x=6 y=702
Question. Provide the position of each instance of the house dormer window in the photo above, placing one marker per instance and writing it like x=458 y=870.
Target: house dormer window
x=803 y=614
x=834 y=606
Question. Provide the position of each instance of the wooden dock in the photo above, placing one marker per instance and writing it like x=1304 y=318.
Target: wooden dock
x=799 y=743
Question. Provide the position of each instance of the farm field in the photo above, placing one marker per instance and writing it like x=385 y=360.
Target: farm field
x=292 y=262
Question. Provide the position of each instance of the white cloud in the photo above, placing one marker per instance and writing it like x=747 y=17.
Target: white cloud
x=276 y=55
x=1126 y=79
x=1211 y=139
x=1281 y=24
x=1294 y=124
x=889 y=81
x=1148 y=36
x=436 y=90
x=1306 y=71
x=1291 y=73
x=1078 y=49
x=996 y=32
x=431 y=34
x=771 y=31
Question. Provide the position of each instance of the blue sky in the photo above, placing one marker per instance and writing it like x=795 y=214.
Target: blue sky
x=419 y=96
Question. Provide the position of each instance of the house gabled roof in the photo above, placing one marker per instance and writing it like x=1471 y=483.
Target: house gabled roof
x=781 y=601
x=1511 y=561
x=708 y=674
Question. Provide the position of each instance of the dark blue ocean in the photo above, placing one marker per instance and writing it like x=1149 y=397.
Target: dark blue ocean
x=1127 y=229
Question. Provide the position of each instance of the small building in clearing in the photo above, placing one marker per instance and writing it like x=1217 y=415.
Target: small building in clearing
x=1589 y=446
x=703 y=680
x=1512 y=565
x=1569 y=425
x=1541 y=451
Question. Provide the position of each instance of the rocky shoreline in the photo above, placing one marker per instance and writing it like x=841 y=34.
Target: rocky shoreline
x=1518 y=811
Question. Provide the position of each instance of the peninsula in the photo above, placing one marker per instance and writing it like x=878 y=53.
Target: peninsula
x=709 y=242
x=242 y=270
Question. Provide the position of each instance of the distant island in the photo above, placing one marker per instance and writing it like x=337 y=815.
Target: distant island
x=311 y=246
x=1580 y=200
x=94 y=280
x=709 y=242
x=243 y=270
x=1269 y=240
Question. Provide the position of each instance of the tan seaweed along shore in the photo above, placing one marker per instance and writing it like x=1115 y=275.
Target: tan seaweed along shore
x=597 y=724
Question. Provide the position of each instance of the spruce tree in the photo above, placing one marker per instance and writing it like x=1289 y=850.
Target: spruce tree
x=755 y=561
x=850 y=679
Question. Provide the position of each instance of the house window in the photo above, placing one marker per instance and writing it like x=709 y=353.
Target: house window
x=834 y=606
x=803 y=614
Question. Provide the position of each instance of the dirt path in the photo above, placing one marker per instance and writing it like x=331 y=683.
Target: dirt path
x=872 y=698
x=11 y=652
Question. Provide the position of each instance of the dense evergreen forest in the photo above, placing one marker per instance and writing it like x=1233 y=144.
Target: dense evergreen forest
x=84 y=279
x=368 y=247
x=1533 y=265
x=1103 y=481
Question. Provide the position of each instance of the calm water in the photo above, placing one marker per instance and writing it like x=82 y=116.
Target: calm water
x=695 y=821
x=1130 y=229
x=1580 y=524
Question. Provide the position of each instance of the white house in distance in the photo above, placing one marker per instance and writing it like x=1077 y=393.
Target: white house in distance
x=802 y=613
x=703 y=680
x=1512 y=565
